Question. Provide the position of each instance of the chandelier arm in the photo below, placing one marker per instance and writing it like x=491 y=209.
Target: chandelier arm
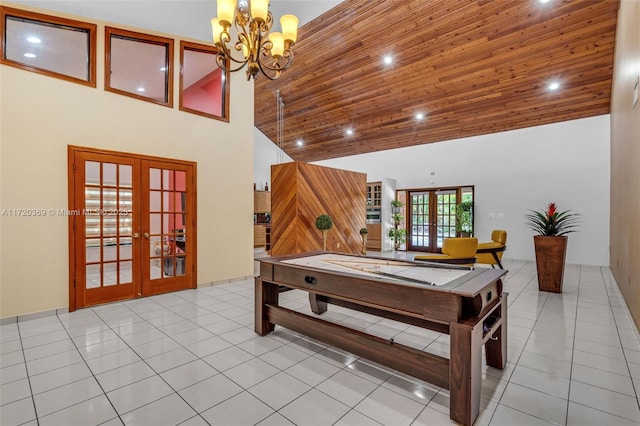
x=224 y=53
x=264 y=69
x=221 y=61
x=288 y=54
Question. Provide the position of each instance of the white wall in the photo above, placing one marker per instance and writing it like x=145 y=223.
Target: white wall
x=566 y=163
x=42 y=115
x=265 y=153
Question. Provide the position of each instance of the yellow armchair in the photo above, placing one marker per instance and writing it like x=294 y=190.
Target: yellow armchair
x=490 y=253
x=454 y=250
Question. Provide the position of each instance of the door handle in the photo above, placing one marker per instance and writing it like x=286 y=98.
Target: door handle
x=136 y=235
x=146 y=235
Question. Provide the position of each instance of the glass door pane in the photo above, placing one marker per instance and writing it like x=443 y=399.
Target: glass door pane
x=103 y=222
x=420 y=233
x=168 y=254
x=108 y=221
x=445 y=215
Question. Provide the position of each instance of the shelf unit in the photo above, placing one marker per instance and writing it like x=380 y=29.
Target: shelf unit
x=374 y=230
x=262 y=231
x=267 y=238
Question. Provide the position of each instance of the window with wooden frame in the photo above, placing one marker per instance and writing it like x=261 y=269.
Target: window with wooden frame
x=204 y=87
x=139 y=65
x=49 y=45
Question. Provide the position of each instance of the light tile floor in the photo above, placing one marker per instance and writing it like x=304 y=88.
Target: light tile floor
x=192 y=358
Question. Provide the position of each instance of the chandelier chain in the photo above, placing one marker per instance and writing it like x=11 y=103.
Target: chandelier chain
x=280 y=126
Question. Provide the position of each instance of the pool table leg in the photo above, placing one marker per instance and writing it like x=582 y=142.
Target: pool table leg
x=317 y=306
x=496 y=348
x=266 y=293
x=465 y=372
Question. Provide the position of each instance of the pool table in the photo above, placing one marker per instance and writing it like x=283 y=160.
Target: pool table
x=465 y=303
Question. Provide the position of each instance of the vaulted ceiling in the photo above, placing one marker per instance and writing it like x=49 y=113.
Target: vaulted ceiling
x=471 y=67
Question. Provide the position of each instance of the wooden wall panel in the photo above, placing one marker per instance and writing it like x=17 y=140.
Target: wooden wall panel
x=471 y=66
x=300 y=192
x=625 y=154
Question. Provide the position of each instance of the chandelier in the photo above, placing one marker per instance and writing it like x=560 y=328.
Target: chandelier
x=257 y=47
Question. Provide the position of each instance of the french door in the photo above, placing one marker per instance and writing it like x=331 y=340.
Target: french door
x=132 y=226
x=431 y=216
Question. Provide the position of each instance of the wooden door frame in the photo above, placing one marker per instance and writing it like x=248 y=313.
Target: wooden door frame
x=71 y=202
x=433 y=226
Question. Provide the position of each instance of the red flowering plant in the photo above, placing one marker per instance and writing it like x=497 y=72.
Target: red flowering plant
x=553 y=223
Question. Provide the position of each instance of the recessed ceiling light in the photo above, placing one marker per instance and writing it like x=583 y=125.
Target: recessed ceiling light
x=34 y=39
x=29 y=55
x=554 y=85
x=543 y=1
x=388 y=60
x=419 y=116
x=299 y=142
x=140 y=89
x=349 y=132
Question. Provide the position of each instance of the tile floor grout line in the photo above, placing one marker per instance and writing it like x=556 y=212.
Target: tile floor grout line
x=90 y=370
x=152 y=369
x=615 y=320
x=573 y=346
x=26 y=368
x=516 y=363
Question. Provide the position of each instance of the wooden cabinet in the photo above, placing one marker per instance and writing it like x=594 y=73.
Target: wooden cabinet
x=374 y=194
x=374 y=212
x=374 y=236
x=261 y=210
x=259 y=235
x=261 y=201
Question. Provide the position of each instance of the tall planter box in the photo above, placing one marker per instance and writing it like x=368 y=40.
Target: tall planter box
x=550 y=256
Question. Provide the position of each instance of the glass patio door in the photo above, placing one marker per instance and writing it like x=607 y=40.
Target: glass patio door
x=131 y=226
x=431 y=218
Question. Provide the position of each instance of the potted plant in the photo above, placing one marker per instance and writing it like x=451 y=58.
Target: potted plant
x=397 y=219
x=399 y=236
x=552 y=227
x=396 y=206
x=363 y=234
x=324 y=223
x=464 y=219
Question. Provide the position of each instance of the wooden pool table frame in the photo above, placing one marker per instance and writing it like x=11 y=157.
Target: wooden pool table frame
x=472 y=309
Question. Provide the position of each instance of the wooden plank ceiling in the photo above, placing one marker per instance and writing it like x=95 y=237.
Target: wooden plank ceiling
x=471 y=66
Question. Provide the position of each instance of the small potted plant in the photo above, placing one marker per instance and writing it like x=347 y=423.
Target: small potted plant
x=399 y=236
x=396 y=206
x=552 y=227
x=464 y=219
x=324 y=223
x=363 y=234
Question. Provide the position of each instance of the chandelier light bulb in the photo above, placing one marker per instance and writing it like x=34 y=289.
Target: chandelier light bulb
x=259 y=9
x=217 y=30
x=278 y=44
x=289 y=24
x=226 y=9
